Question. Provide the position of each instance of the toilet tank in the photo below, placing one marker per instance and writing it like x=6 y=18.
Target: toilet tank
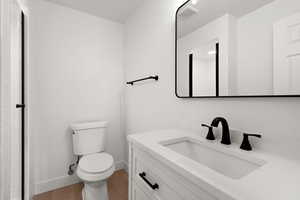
x=89 y=137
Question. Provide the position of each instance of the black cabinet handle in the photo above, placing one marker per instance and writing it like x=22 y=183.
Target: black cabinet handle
x=153 y=186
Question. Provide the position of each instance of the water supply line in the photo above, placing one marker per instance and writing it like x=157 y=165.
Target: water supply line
x=73 y=166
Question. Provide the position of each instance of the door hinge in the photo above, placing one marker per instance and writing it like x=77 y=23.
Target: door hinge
x=20 y=106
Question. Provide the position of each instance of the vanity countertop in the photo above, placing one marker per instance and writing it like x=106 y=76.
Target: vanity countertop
x=277 y=179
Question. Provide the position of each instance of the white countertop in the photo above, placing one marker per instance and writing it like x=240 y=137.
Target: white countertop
x=278 y=179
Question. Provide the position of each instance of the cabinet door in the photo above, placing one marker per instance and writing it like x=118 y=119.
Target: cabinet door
x=171 y=185
x=138 y=194
x=287 y=56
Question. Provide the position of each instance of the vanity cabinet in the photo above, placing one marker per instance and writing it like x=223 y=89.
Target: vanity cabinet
x=138 y=194
x=151 y=179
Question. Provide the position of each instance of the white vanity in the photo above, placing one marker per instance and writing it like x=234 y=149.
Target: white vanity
x=178 y=165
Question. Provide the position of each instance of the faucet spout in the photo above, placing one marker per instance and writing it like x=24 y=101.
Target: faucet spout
x=225 y=129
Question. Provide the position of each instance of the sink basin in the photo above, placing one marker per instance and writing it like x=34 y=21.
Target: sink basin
x=217 y=157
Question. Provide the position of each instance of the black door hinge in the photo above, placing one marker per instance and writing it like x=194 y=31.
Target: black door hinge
x=20 y=106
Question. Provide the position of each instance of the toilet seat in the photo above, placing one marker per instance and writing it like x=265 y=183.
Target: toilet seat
x=96 y=163
x=95 y=167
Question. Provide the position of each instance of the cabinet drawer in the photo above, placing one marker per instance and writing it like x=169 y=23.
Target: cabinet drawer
x=146 y=180
x=139 y=194
x=171 y=185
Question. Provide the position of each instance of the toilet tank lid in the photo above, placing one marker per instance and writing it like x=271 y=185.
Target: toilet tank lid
x=88 y=125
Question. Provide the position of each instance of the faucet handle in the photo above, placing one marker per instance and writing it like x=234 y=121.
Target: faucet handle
x=246 y=144
x=210 y=134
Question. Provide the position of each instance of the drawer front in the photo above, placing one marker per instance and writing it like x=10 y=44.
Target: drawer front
x=139 y=194
x=171 y=185
x=153 y=185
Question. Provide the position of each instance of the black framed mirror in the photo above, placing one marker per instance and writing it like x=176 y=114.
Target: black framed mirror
x=237 y=48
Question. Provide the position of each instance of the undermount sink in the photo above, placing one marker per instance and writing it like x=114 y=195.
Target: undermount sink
x=217 y=157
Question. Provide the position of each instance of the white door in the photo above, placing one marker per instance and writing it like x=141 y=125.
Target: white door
x=286 y=77
x=16 y=99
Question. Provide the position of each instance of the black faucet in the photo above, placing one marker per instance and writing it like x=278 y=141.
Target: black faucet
x=225 y=129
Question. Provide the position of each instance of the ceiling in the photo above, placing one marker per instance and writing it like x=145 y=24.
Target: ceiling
x=116 y=10
x=209 y=10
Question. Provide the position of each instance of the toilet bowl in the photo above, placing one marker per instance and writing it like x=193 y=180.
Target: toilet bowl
x=93 y=170
x=95 y=166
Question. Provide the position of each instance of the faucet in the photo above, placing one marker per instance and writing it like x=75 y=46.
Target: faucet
x=246 y=144
x=225 y=129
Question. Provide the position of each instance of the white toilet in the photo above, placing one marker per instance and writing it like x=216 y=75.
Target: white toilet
x=94 y=166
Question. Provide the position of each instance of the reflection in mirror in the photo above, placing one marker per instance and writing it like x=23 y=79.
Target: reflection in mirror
x=238 y=48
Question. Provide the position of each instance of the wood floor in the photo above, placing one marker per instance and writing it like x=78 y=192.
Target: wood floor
x=117 y=189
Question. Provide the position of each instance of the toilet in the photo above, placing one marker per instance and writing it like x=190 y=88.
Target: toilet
x=95 y=166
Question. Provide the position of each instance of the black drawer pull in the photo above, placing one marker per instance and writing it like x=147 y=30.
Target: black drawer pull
x=153 y=186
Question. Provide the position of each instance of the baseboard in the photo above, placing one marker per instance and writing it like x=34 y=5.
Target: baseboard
x=126 y=166
x=120 y=165
x=55 y=183
x=63 y=181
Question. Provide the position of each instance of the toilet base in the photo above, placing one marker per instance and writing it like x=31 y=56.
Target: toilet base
x=95 y=191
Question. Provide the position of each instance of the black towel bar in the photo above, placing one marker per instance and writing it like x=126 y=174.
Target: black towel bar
x=143 y=79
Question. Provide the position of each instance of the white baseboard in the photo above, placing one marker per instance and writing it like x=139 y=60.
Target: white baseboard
x=55 y=183
x=120 y=165
x=125 y=166
x=63 y=181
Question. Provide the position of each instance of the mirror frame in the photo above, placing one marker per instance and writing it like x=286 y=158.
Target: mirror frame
x=209 y=97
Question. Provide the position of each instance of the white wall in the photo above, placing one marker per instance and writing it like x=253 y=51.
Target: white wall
x=204 y=70
x=255 y=46
x=76 y=74
x=150 y=50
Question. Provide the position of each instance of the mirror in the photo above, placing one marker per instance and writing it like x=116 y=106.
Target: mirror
x=238 y=48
